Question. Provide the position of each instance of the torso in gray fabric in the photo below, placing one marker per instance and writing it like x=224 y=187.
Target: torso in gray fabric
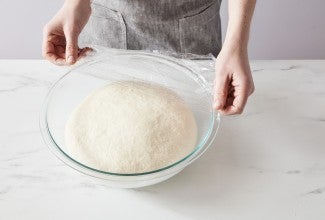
x=183 y=26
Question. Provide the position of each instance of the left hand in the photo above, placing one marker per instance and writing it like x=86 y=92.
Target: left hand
x=60 y=37
x=233 y=81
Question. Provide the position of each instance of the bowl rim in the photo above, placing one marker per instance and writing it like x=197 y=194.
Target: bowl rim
x=199 y=149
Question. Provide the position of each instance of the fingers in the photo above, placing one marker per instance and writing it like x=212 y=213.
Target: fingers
x=61 y=50
x=49 y=53
x=238 y=97
x=83 y=52
x=221 y=85
x=235 y=104
x=71 y=51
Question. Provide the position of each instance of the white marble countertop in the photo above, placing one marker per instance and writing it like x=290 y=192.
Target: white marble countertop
x=267 y=164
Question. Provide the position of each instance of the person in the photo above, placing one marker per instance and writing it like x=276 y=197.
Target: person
x=183 y=26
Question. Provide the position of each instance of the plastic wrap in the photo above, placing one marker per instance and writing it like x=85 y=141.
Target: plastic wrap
x=202 y=65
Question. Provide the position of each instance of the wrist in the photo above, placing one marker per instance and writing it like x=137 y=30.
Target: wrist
x=234 y=46
x=236 y=39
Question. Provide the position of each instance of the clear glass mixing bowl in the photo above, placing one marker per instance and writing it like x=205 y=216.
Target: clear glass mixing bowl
x=115 y=65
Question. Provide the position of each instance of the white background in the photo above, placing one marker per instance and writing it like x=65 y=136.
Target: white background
x=290 y=29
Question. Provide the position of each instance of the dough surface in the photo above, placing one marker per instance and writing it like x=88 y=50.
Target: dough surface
x=131 y=127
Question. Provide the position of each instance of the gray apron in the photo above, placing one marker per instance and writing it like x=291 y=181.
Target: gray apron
x=183 y=26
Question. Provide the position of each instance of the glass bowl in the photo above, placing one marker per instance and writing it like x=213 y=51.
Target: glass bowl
x=116 y=65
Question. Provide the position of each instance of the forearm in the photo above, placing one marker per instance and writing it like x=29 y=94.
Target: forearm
x=240 y=16
x=77 y=2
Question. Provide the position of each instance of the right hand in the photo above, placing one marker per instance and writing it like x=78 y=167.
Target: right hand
x=234 y=81
x=60 y=35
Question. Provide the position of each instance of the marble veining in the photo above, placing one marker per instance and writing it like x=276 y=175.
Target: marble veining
x=317 y=191
x=266 y=164
x=291 y=67
x=293 y=172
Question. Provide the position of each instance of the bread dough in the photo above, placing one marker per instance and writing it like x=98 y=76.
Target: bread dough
x=131 y=127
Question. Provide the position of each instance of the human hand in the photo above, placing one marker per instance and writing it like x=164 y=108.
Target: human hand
x=233 y=81
x=60 y=35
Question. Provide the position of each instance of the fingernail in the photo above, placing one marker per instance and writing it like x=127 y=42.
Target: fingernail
x=70 y=59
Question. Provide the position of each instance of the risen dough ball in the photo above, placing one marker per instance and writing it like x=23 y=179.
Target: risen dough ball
x=131 y=127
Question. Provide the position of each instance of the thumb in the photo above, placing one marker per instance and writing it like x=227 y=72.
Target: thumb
x=71 y=49
x=220 y=91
